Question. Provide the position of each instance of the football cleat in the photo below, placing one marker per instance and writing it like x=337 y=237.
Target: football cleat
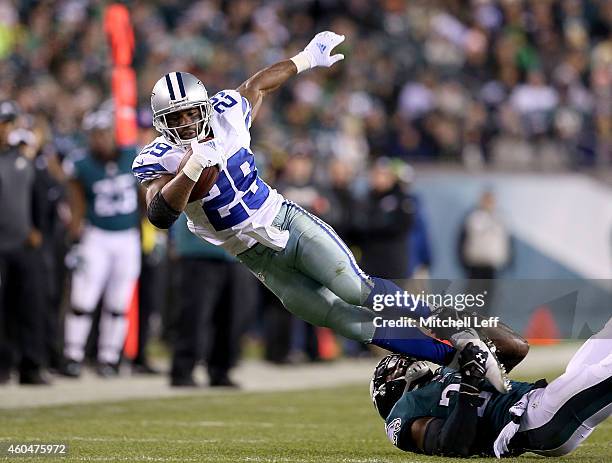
x=496 y=372
x=70 y=368
x=107 y=370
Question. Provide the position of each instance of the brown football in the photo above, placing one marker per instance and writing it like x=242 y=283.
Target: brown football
x=206 y=181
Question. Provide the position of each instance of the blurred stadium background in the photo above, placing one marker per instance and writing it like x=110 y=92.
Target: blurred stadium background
x=446 y=107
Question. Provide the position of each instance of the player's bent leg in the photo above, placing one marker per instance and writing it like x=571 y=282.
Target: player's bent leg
x=316 y=251
x=594 y=349
x=563 y=414
x=316 y=304
x=321 y=254
x=557 y=426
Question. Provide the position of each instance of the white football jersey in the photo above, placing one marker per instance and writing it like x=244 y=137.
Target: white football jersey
x=239 y=209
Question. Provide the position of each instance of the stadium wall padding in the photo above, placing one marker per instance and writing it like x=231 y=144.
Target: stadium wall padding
x=562 y=238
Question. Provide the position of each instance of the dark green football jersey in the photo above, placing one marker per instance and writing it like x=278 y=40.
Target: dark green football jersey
x=111 y=191
x=438 y=398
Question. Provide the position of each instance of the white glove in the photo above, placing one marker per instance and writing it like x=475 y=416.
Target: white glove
x=208 y=154
x=317 y=52
x=500 y=446
x=416 y=371
x=204 y=155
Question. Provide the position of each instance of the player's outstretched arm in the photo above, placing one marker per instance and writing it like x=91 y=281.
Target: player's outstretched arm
x=316 y=53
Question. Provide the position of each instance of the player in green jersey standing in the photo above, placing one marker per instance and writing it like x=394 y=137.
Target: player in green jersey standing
x=105 y=220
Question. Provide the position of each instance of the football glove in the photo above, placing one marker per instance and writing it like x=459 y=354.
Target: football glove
x=318 y=52
x=415 y=372
x=208 y=154
x=472 y=364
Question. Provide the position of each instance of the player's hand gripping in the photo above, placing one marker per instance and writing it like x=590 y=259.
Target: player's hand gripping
x=472 y=365
x=206 y=154
x=415 y=372
x=318 y=51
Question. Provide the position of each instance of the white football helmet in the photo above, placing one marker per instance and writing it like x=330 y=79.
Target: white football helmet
x=178 y=91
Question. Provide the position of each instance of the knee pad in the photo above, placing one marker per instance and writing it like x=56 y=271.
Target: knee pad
x=79 y=312
x=114 y=313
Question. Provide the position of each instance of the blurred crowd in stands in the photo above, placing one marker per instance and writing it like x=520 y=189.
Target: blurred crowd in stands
x=516 y=83
x=513 y=84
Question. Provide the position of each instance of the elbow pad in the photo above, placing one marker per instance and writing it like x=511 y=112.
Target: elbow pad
x=160 y=213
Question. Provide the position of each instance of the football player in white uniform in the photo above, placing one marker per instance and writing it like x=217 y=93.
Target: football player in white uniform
x=295 y=254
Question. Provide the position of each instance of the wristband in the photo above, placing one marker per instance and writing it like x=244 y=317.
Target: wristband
x=301 y=61
x=193 y=169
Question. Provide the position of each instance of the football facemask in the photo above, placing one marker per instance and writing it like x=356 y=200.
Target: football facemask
x=394 y=375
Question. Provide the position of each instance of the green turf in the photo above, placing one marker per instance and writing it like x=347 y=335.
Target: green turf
x=328 y=425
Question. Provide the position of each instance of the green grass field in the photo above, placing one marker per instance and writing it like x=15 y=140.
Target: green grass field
x=326 y=425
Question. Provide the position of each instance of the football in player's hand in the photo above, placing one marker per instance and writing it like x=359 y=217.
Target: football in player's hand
x=206 y=181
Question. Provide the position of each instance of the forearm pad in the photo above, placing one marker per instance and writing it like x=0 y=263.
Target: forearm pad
x=160 y=213
x=455 y=435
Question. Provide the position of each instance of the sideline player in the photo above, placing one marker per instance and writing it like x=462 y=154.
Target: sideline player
x=452 y=413
x=295 y=254
x=105 y=221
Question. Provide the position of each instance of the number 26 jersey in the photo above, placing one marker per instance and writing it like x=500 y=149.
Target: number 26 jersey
x=239 y=209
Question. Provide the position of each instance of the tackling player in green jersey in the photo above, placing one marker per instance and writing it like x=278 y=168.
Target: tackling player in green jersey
x=459 y=413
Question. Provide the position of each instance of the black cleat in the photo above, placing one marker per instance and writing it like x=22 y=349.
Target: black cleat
x=107 y=370
x=144 y=369
x=70 y=368
x=223 y=381
x=183 y=381
x=34 y=378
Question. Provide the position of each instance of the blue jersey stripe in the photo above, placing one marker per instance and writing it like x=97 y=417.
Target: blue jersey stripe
x=246 y=112
x=150 y=167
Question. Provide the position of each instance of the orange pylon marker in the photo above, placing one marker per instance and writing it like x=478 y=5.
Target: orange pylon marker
x=542 y=328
